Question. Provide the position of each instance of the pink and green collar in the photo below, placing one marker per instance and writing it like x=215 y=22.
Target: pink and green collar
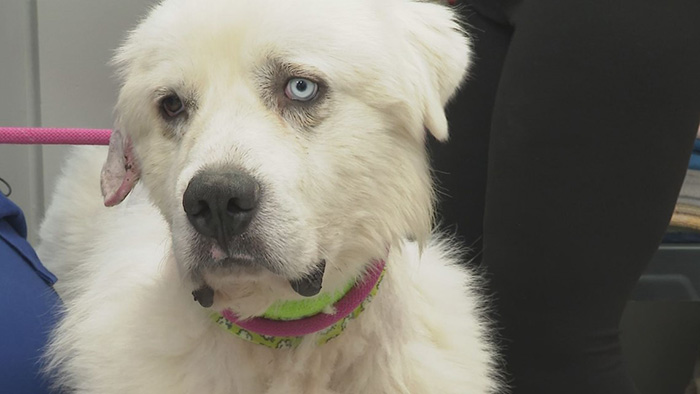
x=281 y=327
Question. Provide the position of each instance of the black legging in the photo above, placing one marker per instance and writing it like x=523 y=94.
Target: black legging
x=568 y=147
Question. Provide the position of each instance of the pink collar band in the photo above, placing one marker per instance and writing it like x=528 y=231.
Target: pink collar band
x=344 y=307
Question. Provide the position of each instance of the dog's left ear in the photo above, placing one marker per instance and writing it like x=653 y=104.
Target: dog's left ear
x=120 y=171
x=443 y=55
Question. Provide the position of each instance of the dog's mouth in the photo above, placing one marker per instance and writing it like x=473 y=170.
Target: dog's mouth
x=306 y=286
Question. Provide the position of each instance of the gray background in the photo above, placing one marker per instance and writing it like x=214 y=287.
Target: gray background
x=54 y=71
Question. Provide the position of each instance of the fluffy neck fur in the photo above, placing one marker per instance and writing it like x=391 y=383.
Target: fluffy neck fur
x=376 y=341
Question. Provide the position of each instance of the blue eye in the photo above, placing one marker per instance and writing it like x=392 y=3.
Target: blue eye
x=301 y=89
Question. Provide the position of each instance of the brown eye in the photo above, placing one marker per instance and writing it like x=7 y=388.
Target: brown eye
x=172 y=105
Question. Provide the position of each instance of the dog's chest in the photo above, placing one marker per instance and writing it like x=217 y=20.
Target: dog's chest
x=238 y=367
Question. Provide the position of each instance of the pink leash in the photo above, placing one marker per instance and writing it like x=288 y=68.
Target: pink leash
x=53 y=136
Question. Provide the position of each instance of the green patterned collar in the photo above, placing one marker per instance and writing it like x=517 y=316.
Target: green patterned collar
x=278 y=330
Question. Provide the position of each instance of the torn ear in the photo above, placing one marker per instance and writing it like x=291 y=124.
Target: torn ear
x=121 y=171
x=443 y=47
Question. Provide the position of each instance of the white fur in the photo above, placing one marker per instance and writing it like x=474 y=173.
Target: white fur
x=342 y=189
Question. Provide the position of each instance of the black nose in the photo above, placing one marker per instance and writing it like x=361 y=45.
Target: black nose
x=221 y=204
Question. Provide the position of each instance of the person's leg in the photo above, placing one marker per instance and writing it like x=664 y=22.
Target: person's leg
x=593 y=124
x=460 y=164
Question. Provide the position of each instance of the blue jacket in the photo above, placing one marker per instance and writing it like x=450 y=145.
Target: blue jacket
x=28 y=306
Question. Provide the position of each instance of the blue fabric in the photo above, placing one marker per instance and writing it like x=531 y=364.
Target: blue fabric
x=694 y=161
x=695 y=157
x=28 y=306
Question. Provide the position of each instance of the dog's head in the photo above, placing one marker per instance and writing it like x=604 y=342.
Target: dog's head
x=279 y=136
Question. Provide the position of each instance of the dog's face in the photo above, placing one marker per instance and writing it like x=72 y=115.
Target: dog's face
x=279 y=136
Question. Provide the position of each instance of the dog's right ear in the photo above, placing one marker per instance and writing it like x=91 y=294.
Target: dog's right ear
x=121 y=170
x=442 y=58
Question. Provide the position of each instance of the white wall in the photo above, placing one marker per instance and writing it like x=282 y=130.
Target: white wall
x=54 y=71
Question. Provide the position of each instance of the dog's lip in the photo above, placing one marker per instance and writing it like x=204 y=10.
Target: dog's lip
x=310 y=285
x=221 y=257
x=204 y=295
x=240 y=259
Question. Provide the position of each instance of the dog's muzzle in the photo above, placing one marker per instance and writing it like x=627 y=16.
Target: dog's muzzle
x=220 y=205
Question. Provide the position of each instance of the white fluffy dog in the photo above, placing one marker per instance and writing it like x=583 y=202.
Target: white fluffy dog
x=273 y=154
